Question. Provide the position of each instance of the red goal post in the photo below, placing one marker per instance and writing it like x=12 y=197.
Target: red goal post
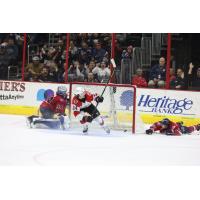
x=119 y=105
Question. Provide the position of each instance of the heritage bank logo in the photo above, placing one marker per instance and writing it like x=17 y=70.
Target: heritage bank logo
x=164 y=105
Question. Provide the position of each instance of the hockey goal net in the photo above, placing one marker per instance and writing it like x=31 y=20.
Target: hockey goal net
x=117 y=107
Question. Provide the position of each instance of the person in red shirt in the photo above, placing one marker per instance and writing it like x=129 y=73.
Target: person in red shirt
x=138 y=79
x=168 y=127
x=84 y=109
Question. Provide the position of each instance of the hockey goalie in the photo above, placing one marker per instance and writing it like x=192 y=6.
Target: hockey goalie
x=52 y=111
x=85 y=110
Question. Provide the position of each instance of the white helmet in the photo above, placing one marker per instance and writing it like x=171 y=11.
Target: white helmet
x=79 y=91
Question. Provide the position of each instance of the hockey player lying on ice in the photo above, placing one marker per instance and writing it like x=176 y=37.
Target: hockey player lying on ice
x=168 y=127
x=85 y=110
x=52 y=110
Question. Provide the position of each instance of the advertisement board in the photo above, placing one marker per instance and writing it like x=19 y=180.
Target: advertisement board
x=155 y=104
x=23 y=97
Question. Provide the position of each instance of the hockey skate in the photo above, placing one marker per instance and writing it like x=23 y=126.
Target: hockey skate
x=85 y=130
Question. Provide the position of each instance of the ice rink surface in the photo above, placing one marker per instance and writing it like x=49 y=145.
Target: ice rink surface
x=22 y=146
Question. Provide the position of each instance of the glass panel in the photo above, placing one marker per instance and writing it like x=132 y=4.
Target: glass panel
x=45 y=57
x=11 y=48
x=89 y=57
x=185 y=61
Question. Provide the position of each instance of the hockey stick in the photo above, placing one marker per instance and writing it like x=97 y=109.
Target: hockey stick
x=114 y=66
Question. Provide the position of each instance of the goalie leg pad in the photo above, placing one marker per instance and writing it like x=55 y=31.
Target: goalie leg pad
x=65 y=122
x=48 y=123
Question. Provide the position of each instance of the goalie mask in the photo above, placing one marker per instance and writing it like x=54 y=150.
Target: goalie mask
x=62 y=91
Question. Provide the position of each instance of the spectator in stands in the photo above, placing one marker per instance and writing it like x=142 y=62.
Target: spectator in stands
x=33 y=69
x=12 y=50
x=158 y=74
x=138 y=79
x=195 y=81
x=74 y=73
x=90 y=67
x=73 y=52
x=44 y=75
x=84 y=53
x=59 y=51
x=4 y=62
x=180 y=83
x=81 y=71
x=90 y=78
x=53 y=72
x=172 y=74
x=128 y=53
x=102 y=72
x=98 y=52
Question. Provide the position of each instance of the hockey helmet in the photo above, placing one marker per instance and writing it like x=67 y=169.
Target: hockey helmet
x=79 y=91
x=165 y=122
x=61 y=90
x=48 y=94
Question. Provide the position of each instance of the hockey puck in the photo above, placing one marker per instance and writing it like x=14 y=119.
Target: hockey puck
x=125 y=130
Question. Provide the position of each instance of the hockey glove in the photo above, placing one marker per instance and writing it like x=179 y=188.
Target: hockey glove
x=149 y=132
x=198 y=127
x=99 y=99
x=86 y=119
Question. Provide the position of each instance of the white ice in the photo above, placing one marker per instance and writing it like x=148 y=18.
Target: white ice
x=22 y=146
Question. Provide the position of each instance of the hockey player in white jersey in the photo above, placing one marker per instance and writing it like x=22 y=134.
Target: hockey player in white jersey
x=84 y=109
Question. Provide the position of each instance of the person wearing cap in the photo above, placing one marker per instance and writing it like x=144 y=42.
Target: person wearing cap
x=33 y=70
x=138 y=79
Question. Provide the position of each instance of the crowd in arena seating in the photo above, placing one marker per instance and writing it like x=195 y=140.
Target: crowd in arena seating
x=47 y=60
x=89 y=56
x=88 y=61
x=11 y=46
x=181 y=80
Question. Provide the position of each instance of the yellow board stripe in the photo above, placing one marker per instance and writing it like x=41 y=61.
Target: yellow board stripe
x=18 y=110
x=150 y=119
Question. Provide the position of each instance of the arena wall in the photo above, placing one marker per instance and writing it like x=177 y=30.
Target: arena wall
x=24 y=98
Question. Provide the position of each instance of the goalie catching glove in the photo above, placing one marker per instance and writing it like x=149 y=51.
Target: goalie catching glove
x=99 y=99
x=86 y=119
